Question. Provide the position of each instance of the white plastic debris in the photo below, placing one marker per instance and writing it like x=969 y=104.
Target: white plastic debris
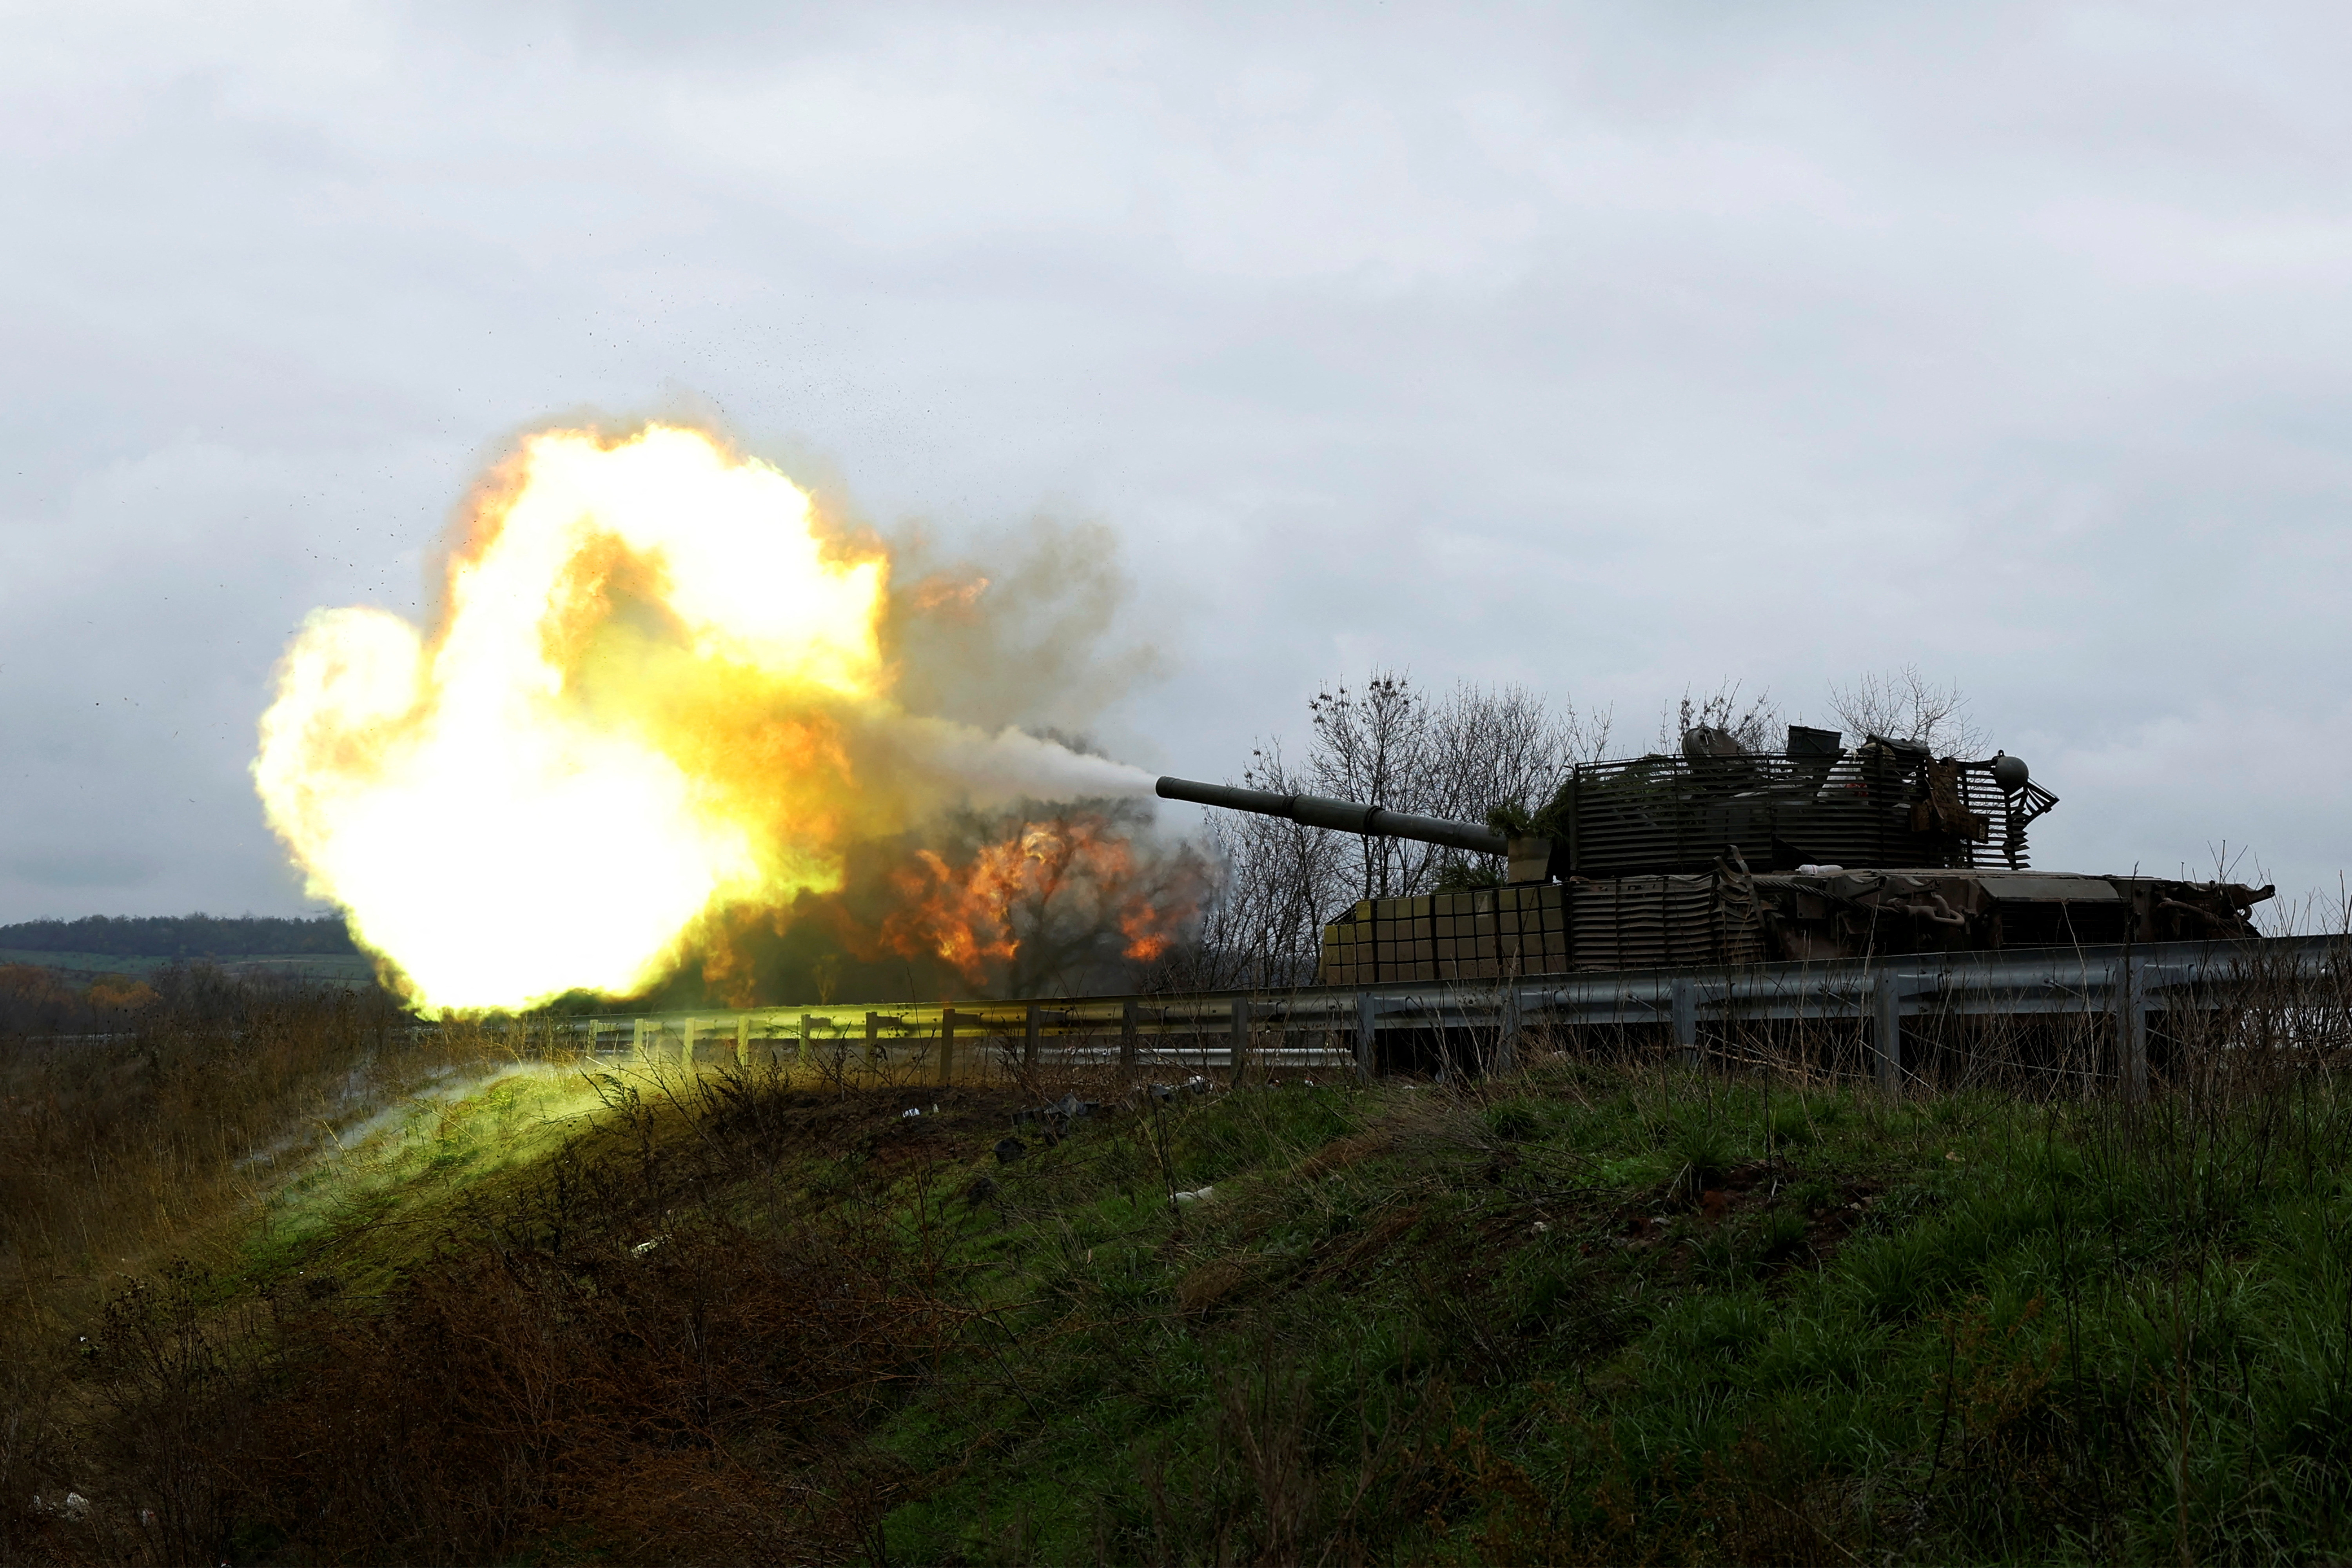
x=644 y=1247
x=1196 y=1196
x=910 y=1110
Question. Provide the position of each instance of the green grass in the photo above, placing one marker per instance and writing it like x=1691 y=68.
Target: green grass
x=1967 y=1328
x=384 y=1197
x=1595 y=1314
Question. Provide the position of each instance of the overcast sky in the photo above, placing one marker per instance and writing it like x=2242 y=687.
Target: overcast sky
x=1607 y=349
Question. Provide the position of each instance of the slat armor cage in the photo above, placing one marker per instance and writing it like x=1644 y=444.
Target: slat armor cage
x=1499 y=934
x=1877 y=806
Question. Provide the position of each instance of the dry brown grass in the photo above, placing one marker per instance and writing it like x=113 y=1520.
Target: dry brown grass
x=111 y=1148
x=123 y=1149
x=1353 y=1149
x=605 y=1354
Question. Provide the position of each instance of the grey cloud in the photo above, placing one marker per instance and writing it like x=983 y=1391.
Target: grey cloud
x=86 y=868
x=1606 y=349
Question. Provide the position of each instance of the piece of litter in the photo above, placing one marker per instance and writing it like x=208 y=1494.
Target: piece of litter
x=910 y=1110
x=1056 y=1118
x=1194 y=1196
x=644 y=1247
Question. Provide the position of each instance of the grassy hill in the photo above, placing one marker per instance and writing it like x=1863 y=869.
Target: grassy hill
x=347 y=966
x=318 y=948
x=506 y=1311
x=182 y=937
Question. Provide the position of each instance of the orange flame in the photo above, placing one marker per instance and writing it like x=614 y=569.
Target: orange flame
x=630 y=711
x=656 y=692
x=1071 y=871
x=1149 y=931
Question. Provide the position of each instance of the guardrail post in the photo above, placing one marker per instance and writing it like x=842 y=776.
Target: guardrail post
x=805 y=1051
x=1506 y=1035
x=1238 y=1023
x=1684 y=1001
x=2130 y=992
x=638 y=1038
x=947 y=1046
x=685 y=1047
x=1029 y=1036
x=743 y=1042
x=1127 y=1014
x=873 y=1040
x=1887 y=1030
x=1367 y=1037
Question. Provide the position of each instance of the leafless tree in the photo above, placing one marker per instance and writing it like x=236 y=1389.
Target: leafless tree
x=1385 y=743
x=1508 y=746
x=1374 y=745
x=1280 y=881
x=1903 y=705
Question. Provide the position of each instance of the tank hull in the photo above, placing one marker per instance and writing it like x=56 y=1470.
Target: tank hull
x=1728 y=916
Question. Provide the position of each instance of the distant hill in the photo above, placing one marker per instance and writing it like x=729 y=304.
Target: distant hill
x=183 y=936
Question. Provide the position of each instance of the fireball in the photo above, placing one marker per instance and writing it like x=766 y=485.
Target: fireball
x=633 y=712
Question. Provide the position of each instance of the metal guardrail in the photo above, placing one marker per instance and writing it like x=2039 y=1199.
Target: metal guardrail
x=1341 y=1027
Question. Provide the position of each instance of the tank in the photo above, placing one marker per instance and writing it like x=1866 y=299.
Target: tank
x=1721 y=855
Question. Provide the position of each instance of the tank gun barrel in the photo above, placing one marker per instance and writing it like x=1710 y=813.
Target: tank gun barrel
x=1347 y=816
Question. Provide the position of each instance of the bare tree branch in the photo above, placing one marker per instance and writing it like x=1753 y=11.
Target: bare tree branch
x=1903 y=705
x=1755 y=722
x=1385 y=743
